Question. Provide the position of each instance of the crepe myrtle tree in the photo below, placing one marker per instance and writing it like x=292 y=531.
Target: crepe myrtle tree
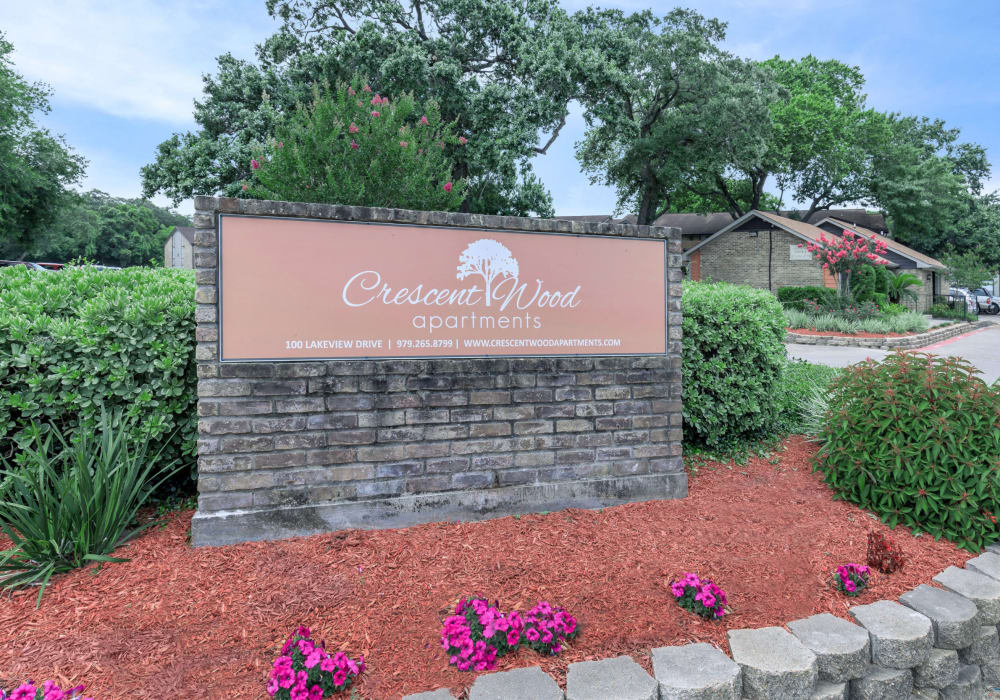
x=353 y=146
x=845 y=255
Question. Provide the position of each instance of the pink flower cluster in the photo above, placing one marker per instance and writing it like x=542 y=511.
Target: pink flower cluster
x=479 y=633
x=851 y=579
x=847 y=252
x=48 y=690
x=305 y=671
x=700 y=596
x=546 y=628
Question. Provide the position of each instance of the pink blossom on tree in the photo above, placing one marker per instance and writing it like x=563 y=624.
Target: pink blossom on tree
x=846 y=254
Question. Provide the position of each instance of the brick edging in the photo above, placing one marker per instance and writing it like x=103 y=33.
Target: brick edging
x=907 y=342
x=940 y=638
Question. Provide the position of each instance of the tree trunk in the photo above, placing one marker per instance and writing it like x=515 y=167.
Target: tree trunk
x=845 y=284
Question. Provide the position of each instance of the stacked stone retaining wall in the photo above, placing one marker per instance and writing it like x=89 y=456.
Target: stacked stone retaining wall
x=906 y=342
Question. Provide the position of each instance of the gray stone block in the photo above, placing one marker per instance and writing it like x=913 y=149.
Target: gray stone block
x=829 y=691
x=940 y=669
x=620 y=677
x=991 y=673
x=968 y=686
x=520 y=684
x=696 y=672
x=985 y=647
x=774 y=663
x=955 y=619
x=987 y=563
x=981 y=590
x=901 y=637
x=842 y=649
x=925 y=694
x=440 y=694
x=883 y=684
x=993 y=547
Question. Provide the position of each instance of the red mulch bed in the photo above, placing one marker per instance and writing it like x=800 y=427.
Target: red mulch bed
x=177 y=622
x=859 y=334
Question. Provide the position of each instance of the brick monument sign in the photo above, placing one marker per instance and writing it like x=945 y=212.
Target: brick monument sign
x=363 y=367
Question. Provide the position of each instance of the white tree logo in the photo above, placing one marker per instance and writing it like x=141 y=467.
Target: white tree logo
x=487 y=258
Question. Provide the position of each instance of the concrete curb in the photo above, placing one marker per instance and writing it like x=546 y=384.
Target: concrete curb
x=894 y=641
x=907 y=342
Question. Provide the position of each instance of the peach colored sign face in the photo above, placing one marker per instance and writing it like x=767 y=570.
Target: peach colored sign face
x=295 y=289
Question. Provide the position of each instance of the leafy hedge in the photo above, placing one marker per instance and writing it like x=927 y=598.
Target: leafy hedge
x=915 y=439
x=734 y=355
x=793 y=297
x=77 y=340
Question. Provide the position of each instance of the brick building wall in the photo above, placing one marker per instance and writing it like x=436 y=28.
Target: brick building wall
x=300 y=447
x=743 y=258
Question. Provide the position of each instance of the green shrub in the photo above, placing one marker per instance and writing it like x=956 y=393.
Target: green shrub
x=915 y=439
x=863 y=283
x=792 y=297
x=882 y=279
x=894 y=309
x=959 y=312
x=879 y=299
x=76 y=341
x=74 y=502
x=734 y=354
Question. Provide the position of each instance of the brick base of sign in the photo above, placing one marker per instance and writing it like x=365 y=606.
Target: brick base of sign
x=230 y=527
x=296 y=448
x=934 y=643
x=908 y=342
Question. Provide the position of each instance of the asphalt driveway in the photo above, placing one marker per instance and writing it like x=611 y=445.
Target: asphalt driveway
x=980 y=347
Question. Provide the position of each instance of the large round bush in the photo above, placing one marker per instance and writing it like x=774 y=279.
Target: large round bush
x=76 y=340
x=734 y=354
x=916 y=439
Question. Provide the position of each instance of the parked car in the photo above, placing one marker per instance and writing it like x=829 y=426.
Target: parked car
x=985 y=300
x=52 y=266
x=23 y=263
x=958 y=296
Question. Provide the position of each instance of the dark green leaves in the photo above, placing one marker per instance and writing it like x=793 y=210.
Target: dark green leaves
x=916 y=439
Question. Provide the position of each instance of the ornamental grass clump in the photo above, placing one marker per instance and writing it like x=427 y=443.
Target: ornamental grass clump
x=915 y=438
x=306 y=671
x=851 y=579
x=700 y=596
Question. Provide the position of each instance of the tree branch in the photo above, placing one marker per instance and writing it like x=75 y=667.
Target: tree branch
x=552 y=138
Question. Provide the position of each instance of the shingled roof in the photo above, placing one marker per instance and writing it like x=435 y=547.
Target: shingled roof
x=707 y=224
x=894 y=246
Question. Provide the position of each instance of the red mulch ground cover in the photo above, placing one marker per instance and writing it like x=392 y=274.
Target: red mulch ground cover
x=177 y=622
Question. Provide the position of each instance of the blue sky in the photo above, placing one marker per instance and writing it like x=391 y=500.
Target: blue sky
x=125 y=72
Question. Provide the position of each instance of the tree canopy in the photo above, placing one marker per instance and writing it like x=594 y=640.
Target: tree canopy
x=498 y=69
x=36 y=166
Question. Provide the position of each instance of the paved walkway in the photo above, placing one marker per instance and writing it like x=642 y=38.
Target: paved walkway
x=981 y=348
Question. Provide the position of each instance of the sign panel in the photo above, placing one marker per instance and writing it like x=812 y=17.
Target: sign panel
x=294 y=289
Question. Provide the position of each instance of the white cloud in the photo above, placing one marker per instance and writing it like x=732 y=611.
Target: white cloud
x=129 y=58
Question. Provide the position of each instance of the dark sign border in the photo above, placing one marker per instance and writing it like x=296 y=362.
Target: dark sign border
x=219 y=302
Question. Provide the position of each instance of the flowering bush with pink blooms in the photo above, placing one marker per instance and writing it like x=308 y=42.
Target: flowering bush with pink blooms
x=851 y=579
x=700 y=596
x=846 y=254
x=49 y=690
x=306 y=671
x=354 y=146
x=479 y=633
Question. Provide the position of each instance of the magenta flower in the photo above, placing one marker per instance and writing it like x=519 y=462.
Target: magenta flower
x=462 y=140
x=367 y=88
x=375 y=114
x=354 y=145
x=352 y=129
x=423 y=120
x=447 y=187
x=404 y=144
x=254 y=164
